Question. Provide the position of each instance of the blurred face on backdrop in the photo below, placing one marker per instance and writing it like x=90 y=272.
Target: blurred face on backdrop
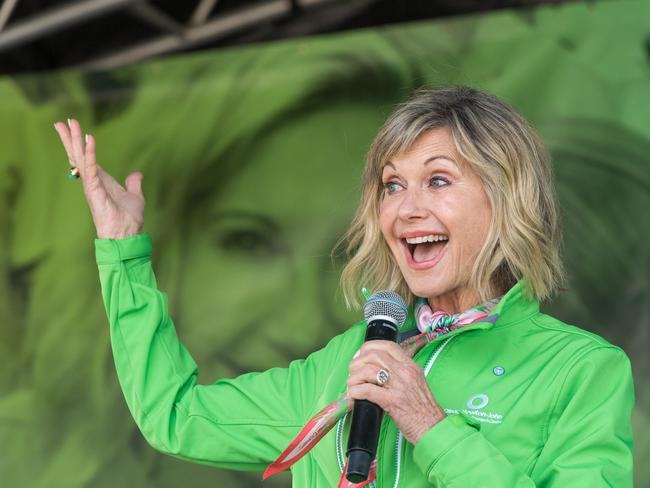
x=259 y=287
x=435 y=216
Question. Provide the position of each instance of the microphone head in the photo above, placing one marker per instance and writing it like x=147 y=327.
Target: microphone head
x=386 y=305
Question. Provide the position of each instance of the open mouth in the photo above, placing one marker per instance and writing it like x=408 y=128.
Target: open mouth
x=425 y=249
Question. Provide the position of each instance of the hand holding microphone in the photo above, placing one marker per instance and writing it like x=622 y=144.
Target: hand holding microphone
x=383 y=378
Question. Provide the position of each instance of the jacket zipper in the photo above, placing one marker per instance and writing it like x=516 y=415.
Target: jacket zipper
x=398 y=443
x=339 y=441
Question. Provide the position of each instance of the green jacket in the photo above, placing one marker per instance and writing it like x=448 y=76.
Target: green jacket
x=531 y=401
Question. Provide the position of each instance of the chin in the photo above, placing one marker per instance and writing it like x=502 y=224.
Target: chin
x=423 y=287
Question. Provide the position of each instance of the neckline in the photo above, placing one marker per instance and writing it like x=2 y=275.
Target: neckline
x=513 y=307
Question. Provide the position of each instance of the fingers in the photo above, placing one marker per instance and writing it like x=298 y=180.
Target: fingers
x=376 y=362
x=133 y=183
x=78 y=151
x=90 y=163
x=379 y=353
x=64 y=134
x=366 y=373
x=372 y=393
x=376 y=355
x=81 y=152
x=370 y=359
x=404 y=395
x=384 y=347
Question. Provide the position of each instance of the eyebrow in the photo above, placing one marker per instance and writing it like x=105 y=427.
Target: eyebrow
x=428 y=160
x=245 y=216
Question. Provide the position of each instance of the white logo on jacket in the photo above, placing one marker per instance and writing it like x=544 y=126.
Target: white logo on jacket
x=475 y=405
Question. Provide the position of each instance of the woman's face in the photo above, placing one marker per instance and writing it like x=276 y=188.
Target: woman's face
x=435 y=216
x=259 y=287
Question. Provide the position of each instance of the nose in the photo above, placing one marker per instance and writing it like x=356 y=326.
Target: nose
x=412 y=207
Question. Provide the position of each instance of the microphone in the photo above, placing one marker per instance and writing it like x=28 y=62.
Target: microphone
x=385 y=312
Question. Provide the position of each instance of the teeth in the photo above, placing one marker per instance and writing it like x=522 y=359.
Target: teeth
x=429 y=238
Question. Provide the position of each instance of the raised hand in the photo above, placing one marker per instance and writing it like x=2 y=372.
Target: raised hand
x=117 y=211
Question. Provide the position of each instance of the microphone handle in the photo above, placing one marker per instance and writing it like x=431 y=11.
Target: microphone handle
x=367 y=416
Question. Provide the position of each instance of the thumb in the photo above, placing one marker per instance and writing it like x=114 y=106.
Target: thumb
x=133 y=183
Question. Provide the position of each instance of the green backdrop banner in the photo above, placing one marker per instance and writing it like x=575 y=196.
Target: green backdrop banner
x=252 y=160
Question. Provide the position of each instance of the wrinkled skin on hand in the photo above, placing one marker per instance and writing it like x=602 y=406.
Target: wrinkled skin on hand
x=117 y=211
x=406 y=396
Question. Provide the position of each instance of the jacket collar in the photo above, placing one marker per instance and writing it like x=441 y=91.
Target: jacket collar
x=513 y=307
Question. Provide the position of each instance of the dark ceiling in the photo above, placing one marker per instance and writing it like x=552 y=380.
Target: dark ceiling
x=37 y=35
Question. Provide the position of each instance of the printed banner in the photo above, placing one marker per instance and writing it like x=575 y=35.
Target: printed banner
x=252 y=159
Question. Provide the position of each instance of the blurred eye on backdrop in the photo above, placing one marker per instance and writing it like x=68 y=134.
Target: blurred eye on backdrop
x=247 y=235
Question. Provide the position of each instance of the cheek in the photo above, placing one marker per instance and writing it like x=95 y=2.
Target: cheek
x=478 y=223
x=385 y=220
x=483 y=214
x=470 y=222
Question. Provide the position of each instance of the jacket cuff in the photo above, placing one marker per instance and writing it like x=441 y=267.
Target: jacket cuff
x=113 y=251
x=442 y=437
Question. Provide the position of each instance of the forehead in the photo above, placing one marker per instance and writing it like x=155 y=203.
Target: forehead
x=294 y=170
x=435 y=144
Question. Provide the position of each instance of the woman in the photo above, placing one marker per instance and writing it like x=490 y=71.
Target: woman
x=458 y=209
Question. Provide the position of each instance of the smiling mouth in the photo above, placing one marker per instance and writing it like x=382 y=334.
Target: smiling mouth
x=425 y=249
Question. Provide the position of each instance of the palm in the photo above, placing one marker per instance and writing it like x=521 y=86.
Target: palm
x=117 y=211
x=110 y=203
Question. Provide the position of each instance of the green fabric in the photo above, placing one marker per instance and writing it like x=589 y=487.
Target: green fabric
x=558 y=416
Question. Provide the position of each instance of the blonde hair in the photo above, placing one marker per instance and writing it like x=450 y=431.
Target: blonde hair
x=515 y=168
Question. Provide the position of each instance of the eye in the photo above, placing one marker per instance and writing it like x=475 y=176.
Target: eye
x=391 y=187
x=248 y=241
x=247 y=235
x=438 y=181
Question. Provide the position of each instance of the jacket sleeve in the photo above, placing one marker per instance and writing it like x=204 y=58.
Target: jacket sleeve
x=242 y=423
x=588 y=435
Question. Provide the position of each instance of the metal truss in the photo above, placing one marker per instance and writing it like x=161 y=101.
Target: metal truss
x=71 y=32
x=201 y=28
